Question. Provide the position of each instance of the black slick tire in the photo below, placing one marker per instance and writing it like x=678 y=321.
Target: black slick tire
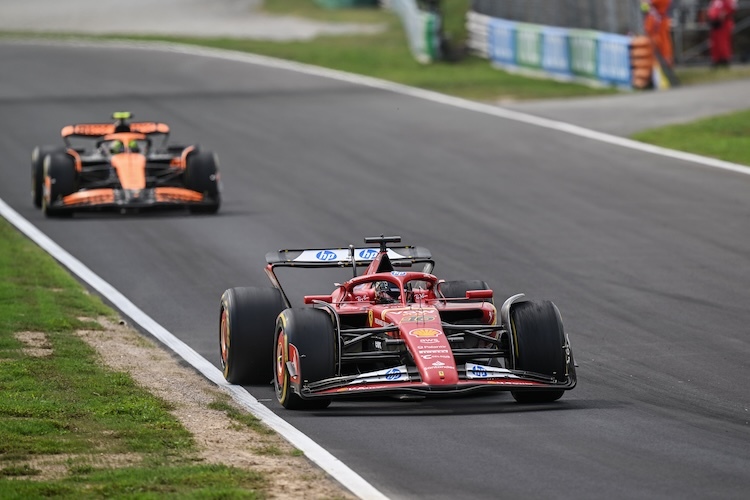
x=37 y=171
x=246 y=333
x=305 y=336
x=202 y=175
x=539 y=338
x=61 y=177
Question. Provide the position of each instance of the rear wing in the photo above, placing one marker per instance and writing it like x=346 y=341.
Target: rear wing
x=102 y=129
x=351 y=257
x=401 y=256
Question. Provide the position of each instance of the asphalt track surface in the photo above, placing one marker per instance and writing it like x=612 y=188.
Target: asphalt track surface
x=645 y=255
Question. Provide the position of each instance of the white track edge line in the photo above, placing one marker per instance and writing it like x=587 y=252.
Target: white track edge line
x=398 y=88
x=325 y=460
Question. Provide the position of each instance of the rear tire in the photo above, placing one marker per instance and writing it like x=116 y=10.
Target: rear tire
x=313 y=335
x=61 y=177
x=246 y=333
x=202 y=175
x=458 y=289
x=37 y=171
x=539 y=338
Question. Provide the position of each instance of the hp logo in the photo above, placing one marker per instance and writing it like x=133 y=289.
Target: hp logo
x=368 y=254
x=325 y=255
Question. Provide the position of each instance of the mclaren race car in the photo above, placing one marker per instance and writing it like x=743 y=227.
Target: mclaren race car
x=125 y=166
x=395 y=329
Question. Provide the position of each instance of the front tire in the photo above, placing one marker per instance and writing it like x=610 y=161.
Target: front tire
x=307 y=338
x=246 y=333
x=37 y=171
x=60 y=179
x=539 y=339
x=202 y=175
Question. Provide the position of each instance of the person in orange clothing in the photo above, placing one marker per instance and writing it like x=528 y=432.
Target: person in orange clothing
x=657 y=25
x=721 y=19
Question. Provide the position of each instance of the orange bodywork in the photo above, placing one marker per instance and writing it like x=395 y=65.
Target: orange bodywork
x=94 y=129
x=76 y=158
x=90 y=197
x=125 y=137
x=106 y=196
x=131 y=170
x=167 y=194
x=181 y=162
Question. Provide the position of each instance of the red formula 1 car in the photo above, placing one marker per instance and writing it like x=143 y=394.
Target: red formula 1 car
x=390 y=332
x=118 y=166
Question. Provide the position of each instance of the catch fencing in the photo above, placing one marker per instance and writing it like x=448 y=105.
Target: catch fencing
x=612 y=16
x=690 y=31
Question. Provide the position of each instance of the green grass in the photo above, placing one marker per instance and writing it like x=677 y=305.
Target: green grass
x=472 y=78
x=726 y=137
x=241 y=418
x=66 y=404
x=698 y=75
x=311 y=10
x=188 y=482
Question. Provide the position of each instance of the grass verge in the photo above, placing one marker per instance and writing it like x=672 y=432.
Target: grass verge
x=61 y=410
x=726 y=137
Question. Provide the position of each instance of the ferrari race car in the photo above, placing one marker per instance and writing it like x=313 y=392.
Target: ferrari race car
x=389 y=331
x=118 y=166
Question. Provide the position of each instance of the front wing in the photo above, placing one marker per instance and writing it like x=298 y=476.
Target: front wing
x=108 y=198
x=473 y=378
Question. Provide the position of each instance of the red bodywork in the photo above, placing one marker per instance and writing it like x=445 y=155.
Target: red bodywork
x=414 y=345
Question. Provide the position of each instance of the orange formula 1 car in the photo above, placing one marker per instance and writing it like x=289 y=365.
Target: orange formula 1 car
x=118 y=166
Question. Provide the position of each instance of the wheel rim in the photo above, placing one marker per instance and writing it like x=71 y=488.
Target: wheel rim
x=224 y=340
x=280 y=379
x=46 y=192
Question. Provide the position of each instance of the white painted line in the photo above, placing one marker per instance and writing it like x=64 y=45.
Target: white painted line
x=398 y=88
x=333 y=466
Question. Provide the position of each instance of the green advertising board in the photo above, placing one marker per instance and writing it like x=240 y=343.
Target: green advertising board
x=529 y=45
x=583 y=50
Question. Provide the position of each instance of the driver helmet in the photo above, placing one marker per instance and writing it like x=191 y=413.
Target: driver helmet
x=133 y=146
x=386 y=292
x=116 y=147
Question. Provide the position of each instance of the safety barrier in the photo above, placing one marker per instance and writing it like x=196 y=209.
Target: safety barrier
x=586 y=56
x=641 y=61
x=422 y=28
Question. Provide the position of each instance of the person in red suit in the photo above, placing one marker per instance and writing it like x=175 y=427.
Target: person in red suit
x=721 y=19
x=657 y=25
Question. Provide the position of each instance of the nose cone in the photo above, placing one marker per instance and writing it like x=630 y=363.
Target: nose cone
x=131 y=170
